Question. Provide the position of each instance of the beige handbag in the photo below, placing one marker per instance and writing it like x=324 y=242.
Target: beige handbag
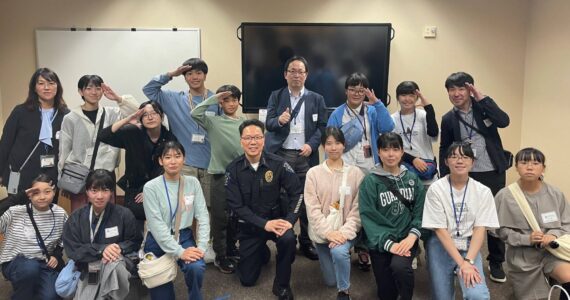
x=563 y=249
x=158 y=271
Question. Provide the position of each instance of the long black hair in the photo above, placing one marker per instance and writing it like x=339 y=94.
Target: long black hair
x=33 y=102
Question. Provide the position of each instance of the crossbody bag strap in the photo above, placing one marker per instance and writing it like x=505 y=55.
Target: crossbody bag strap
x=390 y=185
x=97 y=141
x=469 y=125
x=38 y=235
x=523 y=205
x=35 y=147
x=181 y=205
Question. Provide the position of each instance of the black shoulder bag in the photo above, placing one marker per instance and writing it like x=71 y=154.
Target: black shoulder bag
x=57 y=252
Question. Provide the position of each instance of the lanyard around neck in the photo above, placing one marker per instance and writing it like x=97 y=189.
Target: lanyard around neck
x=52 y=228
x=172 y=215
x=457 y=220
x=411 y=131
x=94 y=232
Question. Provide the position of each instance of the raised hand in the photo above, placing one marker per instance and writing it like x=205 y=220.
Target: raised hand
x=179 y=71
x=110 y=94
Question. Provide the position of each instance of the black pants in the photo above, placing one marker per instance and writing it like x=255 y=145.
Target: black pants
x=494 y=181
x=394 y=274
x=252 y=241
x=300 y=165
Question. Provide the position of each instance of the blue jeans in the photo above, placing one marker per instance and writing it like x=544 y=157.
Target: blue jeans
x=441 y=268
x=193 y=272
x=31 y=278
x=335 y=264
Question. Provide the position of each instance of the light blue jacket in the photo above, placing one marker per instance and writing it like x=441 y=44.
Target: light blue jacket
x=175 y=105
x=379 y=118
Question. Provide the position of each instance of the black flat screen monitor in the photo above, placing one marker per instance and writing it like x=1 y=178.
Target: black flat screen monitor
x=333 y=52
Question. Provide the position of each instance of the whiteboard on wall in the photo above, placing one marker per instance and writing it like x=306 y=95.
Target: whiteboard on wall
x=125 y=59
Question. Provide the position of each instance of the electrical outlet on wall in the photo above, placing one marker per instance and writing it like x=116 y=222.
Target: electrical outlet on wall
x=430 y=31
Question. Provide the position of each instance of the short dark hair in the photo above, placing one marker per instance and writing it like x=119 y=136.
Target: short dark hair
x=251 y=122
x=458 y=79
x=42 y=177
x=406 y=88
x=32 y=101
x=335 y=132
x=463 y=148
x=171 y=145
x=86 y=80
x=236 y=93
x=390 y=140
x=155 y=106
x=100 y=179
x=294 y=58
x=197 y=64
x=530 y=154
x=356 y=79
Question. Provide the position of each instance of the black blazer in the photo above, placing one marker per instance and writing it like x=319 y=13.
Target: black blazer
x=20 y=135
x=488 y=110
x=276 y=134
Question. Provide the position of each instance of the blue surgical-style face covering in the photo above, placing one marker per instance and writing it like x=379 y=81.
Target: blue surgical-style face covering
x=46 y=130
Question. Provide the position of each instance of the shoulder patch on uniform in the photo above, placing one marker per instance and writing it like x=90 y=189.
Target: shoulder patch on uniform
x=269 y=176
x=288 y=167
x=411 y=182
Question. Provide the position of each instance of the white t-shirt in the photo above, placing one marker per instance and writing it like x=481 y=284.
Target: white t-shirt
x=421 y=145
x=478 y=208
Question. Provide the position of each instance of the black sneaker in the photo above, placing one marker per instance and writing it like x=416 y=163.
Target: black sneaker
x=343 y=296
x=496 y=273
x=282 y=293
x=224 y=264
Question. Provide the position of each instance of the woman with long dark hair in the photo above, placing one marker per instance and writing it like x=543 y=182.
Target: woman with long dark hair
x=30 y=140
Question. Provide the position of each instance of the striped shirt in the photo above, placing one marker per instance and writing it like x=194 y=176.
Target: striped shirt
x=20 y=236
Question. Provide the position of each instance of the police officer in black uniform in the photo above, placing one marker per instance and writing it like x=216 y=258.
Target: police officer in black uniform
x=253 y=184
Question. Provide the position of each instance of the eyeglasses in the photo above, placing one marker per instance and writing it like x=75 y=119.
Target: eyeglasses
x=458 y=157
x=297 y=72
x=96 y=191
x=150 y=115
x=356 y=91
x=256 y=138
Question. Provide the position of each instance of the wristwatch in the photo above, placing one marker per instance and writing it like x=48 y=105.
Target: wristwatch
x=470 y=261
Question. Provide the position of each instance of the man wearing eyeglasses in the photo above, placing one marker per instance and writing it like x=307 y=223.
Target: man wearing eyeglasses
x=253 y=184
x=296 y=118
x=474 y=119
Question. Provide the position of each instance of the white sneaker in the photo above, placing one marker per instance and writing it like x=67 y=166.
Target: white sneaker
x=210 y=255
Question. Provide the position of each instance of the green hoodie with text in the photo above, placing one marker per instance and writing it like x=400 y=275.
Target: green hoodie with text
x=385 y=219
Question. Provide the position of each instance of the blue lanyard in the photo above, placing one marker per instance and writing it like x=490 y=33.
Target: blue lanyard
x=172 y=215
x=457 y=220
x=411 y=129
x=51 y=231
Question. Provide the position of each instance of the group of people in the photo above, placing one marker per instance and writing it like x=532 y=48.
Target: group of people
x=217 y=176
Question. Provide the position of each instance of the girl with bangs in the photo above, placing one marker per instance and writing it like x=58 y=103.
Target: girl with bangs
x=528 y=258
x=391 y=201
x=459 y=210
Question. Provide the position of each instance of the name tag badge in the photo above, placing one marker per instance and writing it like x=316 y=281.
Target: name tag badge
x=549 y=217
x=13 y=182
x=111 y=232
x=460 y=243
x=210 y=113
x=315 y=117
x=488 y=122
x=262 y=115
x=198 y=138
x=474 y=152
x=57 y=134
x=47 y=161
